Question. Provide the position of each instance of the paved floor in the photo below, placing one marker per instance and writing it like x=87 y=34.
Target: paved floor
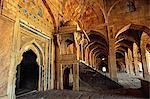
x=68 y=94
x=129 y=81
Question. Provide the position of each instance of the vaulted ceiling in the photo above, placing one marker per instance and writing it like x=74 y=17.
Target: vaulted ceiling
x=88 y=12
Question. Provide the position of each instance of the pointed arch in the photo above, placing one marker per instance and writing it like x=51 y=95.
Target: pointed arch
x=135 y=27
x=35 y=47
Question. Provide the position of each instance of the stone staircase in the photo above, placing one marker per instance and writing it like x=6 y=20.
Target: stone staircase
x=93 y=85
x=96 y=80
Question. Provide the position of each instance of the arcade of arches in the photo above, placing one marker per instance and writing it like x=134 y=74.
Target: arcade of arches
x=43 y=44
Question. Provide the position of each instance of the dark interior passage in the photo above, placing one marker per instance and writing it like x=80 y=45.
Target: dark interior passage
x=27 y=73
x=66 y=82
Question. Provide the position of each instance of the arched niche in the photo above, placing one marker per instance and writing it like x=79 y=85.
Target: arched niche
x=27 y=76
x=35 y=47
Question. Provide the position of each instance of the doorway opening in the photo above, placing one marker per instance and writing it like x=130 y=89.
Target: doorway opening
x=68 y=79
x=27 y=73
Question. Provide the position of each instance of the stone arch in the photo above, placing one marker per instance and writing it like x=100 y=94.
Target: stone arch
x=67 y=78
x=135 y=27
x=94 y=32
x=35 y=47
x=126 y=38
x=111 y=8
x=27 y=75
x=119 y=43
x=130 y=39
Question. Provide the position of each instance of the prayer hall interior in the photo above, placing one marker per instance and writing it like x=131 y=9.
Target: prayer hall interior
x=74 y=49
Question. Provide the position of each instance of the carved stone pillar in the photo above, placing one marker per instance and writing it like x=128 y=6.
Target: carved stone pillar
x=127 y=63
x=87 y=55
x=82 y=56
x=93 y=59
x=82 y=51
x=94 y=62
x=131 y=68
x=112 y=55
x=135 y=57
x=148 y=60
x=58 y=75
x=90 y=58
x=78 y=52
x=144 y=40
x=145 y=67
x=76 y=76
x=112 y=60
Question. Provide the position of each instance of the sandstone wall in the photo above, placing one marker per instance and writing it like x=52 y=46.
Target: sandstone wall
x=120 y=16
x=10 y=15
x=6 y=34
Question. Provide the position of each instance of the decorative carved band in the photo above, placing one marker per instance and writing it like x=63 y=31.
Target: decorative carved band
x=33 y=30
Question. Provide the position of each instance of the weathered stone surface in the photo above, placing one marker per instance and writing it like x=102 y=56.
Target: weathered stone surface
x=105 y=30
x=6 y=34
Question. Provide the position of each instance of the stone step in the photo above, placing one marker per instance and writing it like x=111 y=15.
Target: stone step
x=96 y=80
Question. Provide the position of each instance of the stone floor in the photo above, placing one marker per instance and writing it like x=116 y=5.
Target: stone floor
x=129 y=81
x=68 y=94
x=99 y=87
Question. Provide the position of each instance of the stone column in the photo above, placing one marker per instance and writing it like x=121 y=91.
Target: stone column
x=81 y=51
x=127 y=63
x=90 y=58
x=93 y=60
x=123 y=67
x=76 y=77
x=61 y=76
x=87 y=55
x=144 y=63
x=144 y=41
x=131 y=68
x=82 y=58
x=112 y=60
x=58 y=76
x=135 y=58
x=78 y=52
x=112 y=55
x=148 y=60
